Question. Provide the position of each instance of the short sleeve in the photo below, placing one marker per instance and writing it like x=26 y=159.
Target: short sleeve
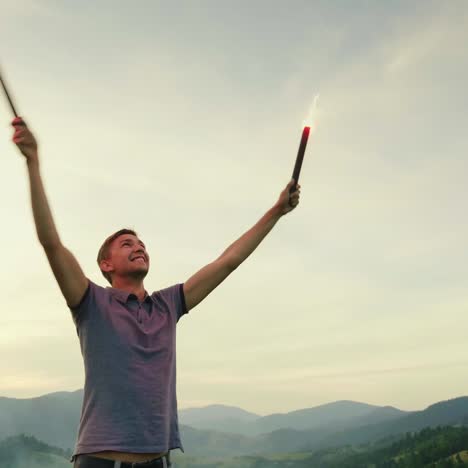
x=81 y=311
x=175 y=299
x=183 y=305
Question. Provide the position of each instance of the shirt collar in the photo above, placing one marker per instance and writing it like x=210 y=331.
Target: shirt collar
x=123 y=296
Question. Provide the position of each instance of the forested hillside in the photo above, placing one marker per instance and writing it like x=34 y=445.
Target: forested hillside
x=441 y=447
x=28 y=452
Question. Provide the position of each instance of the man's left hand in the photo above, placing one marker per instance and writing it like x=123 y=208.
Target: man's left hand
x=288 y=201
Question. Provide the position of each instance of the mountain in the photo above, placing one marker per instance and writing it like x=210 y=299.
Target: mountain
x=198 y=442
x=214 y=413
x=327 y=426
x=437 y=448
x=61 y=410
x=338 y=415
x=446 y=413
x=28 y=452
x=451 y=412
x=217 y=417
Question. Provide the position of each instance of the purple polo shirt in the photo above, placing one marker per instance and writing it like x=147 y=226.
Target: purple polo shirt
x=129 y=354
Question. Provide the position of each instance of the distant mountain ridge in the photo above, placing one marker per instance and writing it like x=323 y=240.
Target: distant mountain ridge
x=438 y=447
x=339 y=414
x=215 y=413
x=61 y=411
x=333 y=424
x=282 y=441
x=444 y=413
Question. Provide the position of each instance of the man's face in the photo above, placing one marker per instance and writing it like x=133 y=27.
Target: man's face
x=128 y=257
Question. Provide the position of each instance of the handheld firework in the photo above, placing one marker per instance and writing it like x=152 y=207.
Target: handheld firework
x=7 y=94
x=300 y=157
x=302 y=148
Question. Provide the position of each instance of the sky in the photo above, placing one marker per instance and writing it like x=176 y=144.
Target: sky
x=182 y=121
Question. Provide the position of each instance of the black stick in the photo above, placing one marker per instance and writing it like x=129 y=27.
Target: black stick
x=8 y=96
x=299 y=158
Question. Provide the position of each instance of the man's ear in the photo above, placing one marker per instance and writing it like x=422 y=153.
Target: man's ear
x=106 y=266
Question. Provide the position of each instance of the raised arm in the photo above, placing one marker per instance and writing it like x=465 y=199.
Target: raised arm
x=198 y=286
x=67 y=271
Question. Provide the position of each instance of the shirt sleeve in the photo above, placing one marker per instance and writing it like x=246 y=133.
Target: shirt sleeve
x=175 y=299
x=183 y=305
x=81 y=311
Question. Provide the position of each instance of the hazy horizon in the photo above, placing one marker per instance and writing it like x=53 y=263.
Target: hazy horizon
x=256 y=412
x=183 y=122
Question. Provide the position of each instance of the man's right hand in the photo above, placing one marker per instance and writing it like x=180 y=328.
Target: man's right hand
x=24 y=140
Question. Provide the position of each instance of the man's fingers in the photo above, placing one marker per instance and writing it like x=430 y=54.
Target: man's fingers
x=19 y=124
x=17 y=121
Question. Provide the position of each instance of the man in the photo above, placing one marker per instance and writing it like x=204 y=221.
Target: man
x=127 y=337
